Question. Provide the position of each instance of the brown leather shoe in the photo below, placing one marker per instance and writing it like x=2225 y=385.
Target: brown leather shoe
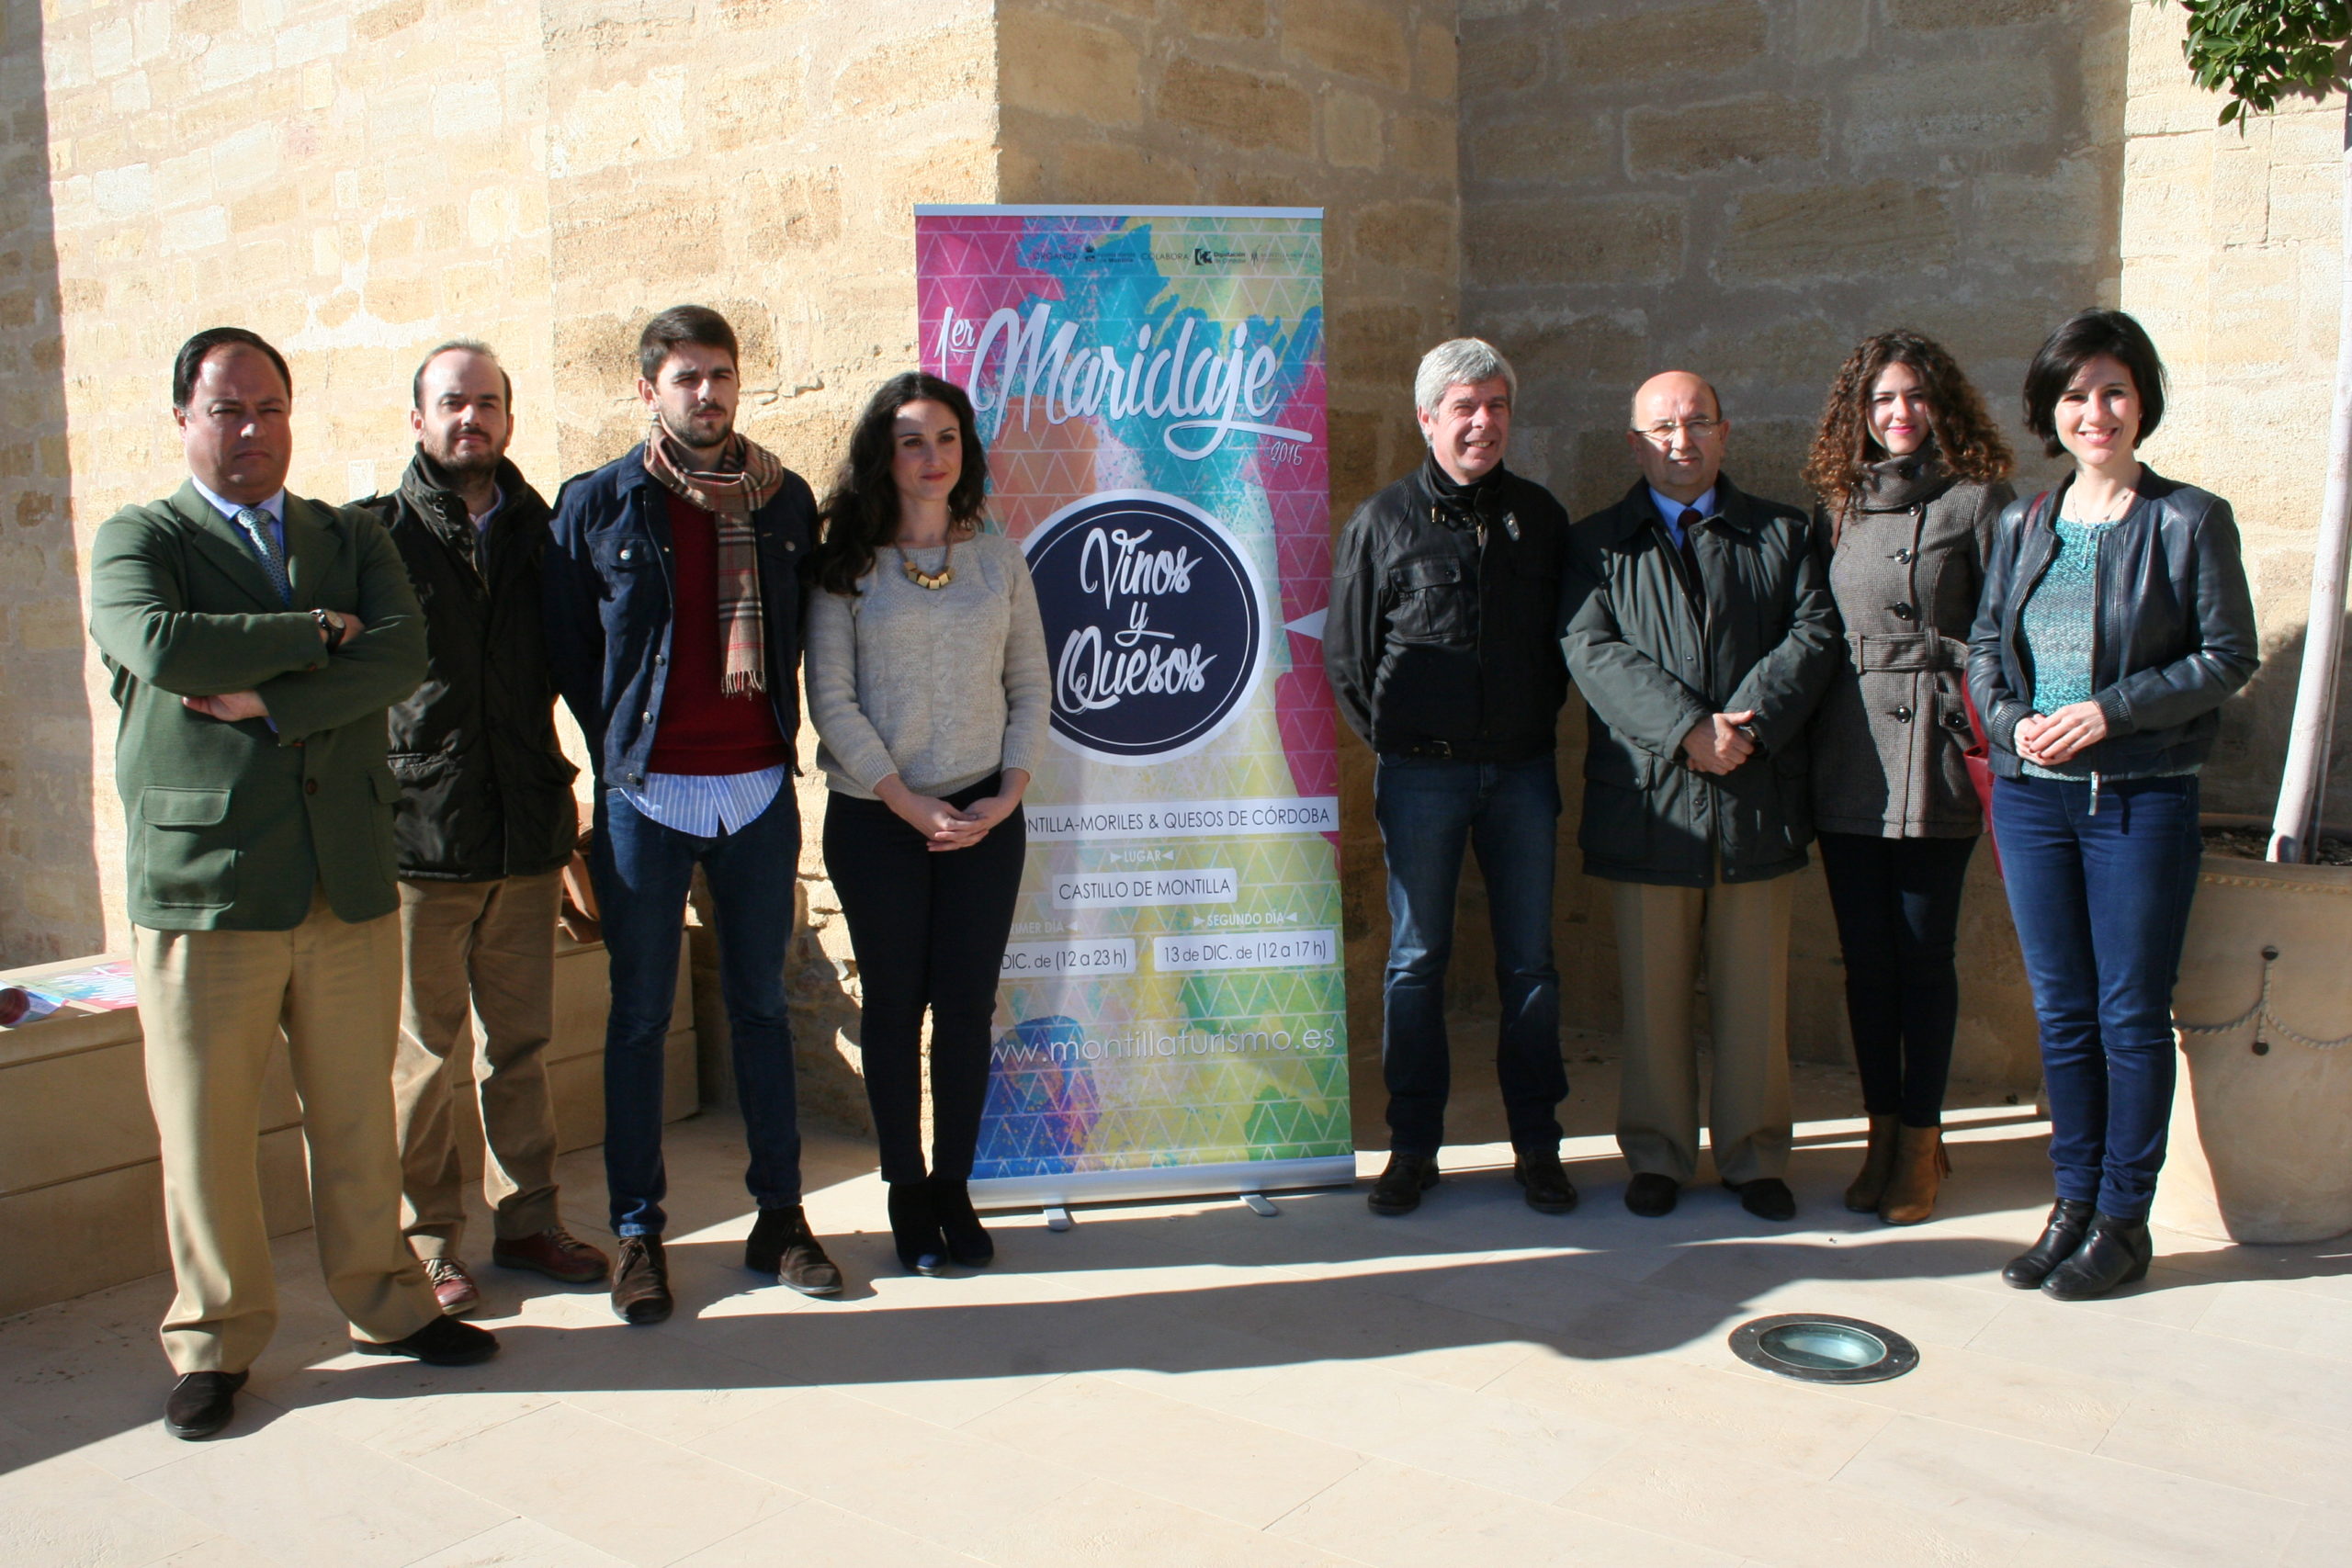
x=452 y=1286
x=556 y=1253
x=1920 y=1166
x=1878 y=1164
x=642 y=1281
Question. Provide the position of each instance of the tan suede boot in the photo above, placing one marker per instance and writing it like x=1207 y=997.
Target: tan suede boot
x=1920 y=1166
x=1878 y=1164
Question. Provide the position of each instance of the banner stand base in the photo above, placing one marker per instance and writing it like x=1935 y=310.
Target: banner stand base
x=1056 y=1217
x=1145 y=1183
x=1262 y=1205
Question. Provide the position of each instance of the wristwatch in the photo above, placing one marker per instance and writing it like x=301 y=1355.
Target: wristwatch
x=330 y=626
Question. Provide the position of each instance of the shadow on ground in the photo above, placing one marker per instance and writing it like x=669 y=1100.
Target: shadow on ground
x=1150 y=1289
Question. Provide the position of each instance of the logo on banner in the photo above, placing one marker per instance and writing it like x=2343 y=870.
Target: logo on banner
x=1155 y=625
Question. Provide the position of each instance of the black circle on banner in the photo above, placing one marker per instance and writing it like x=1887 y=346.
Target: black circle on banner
x=1155 y=623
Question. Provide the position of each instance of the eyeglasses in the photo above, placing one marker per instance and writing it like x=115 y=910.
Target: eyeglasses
x=1663 y=431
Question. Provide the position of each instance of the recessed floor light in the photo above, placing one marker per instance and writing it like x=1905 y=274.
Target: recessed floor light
x=1814 y=1346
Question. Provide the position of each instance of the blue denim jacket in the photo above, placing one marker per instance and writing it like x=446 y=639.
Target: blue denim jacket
x=608 y=605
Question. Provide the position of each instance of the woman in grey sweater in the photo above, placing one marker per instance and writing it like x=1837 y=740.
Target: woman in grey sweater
x=928 y=687
x=1911 y=474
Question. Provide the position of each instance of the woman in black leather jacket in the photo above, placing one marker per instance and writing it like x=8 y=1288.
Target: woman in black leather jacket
x=2115 y=622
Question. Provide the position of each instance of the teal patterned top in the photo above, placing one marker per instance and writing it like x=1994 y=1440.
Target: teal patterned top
x=2060 y=622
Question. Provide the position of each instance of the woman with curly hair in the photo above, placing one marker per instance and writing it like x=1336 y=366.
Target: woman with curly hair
x=927 y=683
x=1911 y=474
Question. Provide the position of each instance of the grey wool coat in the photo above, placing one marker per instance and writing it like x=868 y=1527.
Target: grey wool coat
x=1889 y=739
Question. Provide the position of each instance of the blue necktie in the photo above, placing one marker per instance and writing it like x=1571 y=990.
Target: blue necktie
x=255 y=523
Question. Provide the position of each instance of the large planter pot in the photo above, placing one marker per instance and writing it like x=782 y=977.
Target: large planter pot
x=2262 y=1127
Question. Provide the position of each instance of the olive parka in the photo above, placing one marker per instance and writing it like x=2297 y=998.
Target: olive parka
x=1653 y=656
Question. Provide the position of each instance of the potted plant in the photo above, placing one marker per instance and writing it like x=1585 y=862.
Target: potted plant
x=2261 y=1144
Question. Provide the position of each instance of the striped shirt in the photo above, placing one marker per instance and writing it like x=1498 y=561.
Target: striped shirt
x=704 y=806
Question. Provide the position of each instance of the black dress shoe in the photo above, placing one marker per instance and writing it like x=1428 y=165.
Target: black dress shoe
x=2115 y=1252
x=914 y=1228
x=1399 y=1188
x=1767 y=1198
x=642 y=1281
x=444 y=1342
x=200 y=1403
x=2069 y=1218
x=1653 y=1196
x=959 y=1224
x=1549 y=1191
x=782 y=1246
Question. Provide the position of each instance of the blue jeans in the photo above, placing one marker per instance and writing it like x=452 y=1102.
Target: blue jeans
x=1429 y=810
x=2102 y=905
x=642 y=870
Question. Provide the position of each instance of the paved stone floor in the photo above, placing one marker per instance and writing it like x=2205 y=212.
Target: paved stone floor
x=1188 y=1384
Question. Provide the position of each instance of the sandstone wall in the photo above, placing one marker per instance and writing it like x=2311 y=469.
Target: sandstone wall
x=1346 y=105
x=49 y=864
x=1604 y=186
x=359 y=183
x=2233 y=256
x=1744 y=188
x=355 y=186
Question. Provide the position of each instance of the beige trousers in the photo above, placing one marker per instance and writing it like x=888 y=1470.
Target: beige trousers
x=211 y=1004
x=487 y=949
x=1744 y=927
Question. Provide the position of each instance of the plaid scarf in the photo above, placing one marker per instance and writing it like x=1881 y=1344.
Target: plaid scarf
x=746 y=477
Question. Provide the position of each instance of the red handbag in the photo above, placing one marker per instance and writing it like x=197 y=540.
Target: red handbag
x=1979 y=759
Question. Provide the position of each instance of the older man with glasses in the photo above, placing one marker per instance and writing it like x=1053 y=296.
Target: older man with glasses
x=1442 y=646
x=1702 y=634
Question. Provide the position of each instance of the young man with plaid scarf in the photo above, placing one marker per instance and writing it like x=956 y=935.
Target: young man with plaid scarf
x=673 y=627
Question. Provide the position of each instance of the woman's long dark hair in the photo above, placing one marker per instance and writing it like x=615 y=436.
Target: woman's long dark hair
x=1967 y=440
x=861 y=514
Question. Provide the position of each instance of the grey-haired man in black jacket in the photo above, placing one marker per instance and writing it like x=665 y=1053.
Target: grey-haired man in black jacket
x=1441 y=643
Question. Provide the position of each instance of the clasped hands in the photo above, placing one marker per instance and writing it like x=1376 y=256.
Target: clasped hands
x=2048 y=739
x=232 y=707
x=1717 y=744
x=945 y=827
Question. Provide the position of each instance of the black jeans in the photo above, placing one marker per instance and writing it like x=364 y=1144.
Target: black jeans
x=1897 y=902
x=929 y=931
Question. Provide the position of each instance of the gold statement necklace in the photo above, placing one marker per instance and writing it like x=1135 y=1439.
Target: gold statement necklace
x=929 y=579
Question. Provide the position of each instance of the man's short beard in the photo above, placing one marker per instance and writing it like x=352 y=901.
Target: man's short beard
x=468 y=467
x=725 y=430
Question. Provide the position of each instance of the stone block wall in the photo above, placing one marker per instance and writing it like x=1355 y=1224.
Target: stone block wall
x=1606 y=188
x=1346 y=105
x=49 y=860
x=356 y=184
x=1747 y=188
x=1744 y=188
x=2232 y=254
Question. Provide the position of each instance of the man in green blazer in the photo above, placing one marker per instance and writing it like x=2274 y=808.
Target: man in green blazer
x=255 y=639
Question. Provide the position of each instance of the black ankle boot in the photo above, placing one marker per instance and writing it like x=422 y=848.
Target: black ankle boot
x=967 y=1242
x=2116 y=1252
x=914 y=1227
x=2069 y=1218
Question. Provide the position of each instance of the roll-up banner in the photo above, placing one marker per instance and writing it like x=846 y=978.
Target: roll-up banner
x=1149 y=385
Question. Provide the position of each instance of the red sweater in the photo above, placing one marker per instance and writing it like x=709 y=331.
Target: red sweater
x=699 y=731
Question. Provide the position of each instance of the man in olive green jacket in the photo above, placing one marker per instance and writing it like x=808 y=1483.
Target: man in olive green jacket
x=255 y=641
